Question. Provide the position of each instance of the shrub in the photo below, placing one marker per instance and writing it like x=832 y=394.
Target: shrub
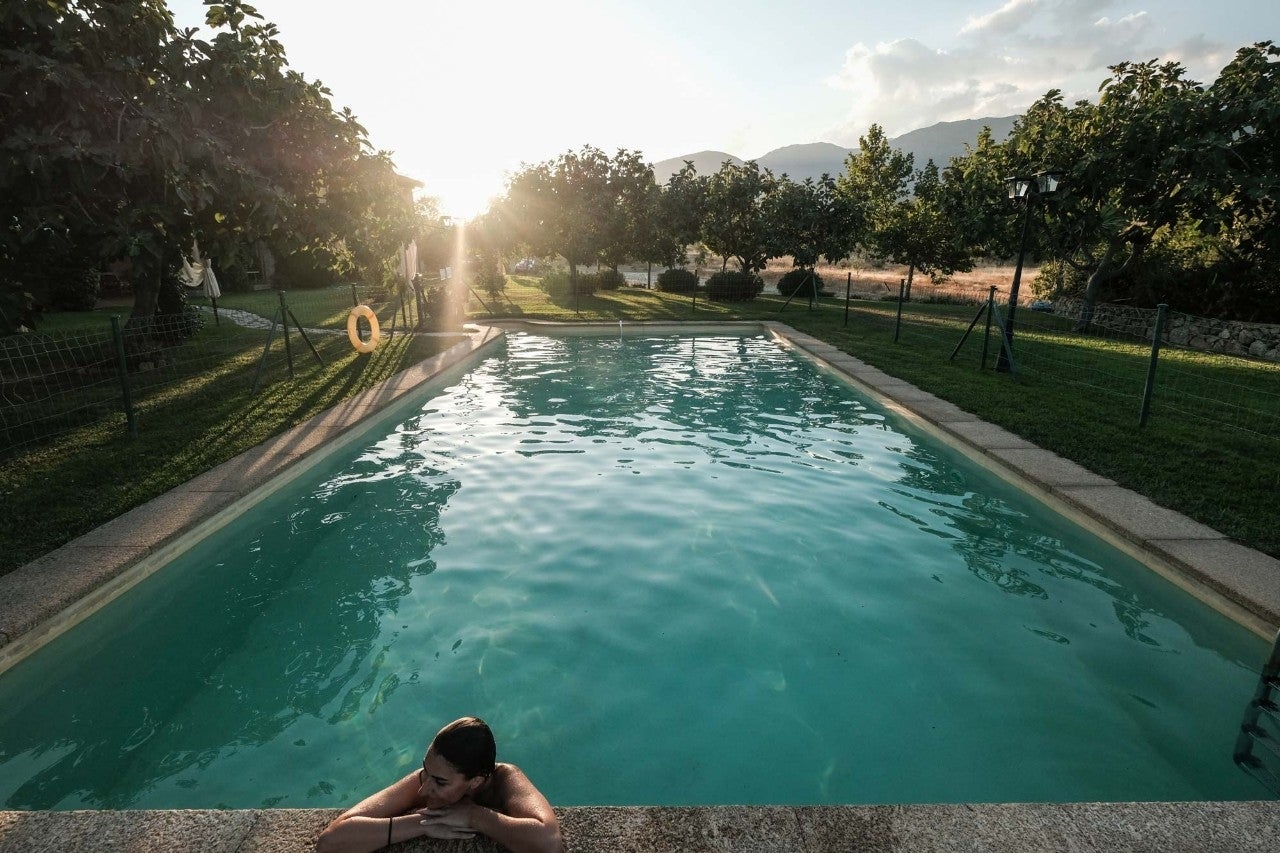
x=444 y=309
x=555 y=283
x=734 y=286
x=491 y=280
x=68 y=288
x=1057 y=280
x=677 y=280
x=800 y=282
x=610 y=279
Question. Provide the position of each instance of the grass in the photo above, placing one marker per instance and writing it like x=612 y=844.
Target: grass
x=325 y=308
x=191 y=418
x=1211 y=448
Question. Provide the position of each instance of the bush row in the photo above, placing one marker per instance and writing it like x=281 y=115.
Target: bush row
x=722 y=286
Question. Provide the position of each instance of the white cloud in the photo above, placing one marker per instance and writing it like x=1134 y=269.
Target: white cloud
x=1001 y=62
x=1007 y=18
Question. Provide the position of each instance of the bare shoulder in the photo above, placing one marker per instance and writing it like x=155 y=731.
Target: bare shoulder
x=516 y=796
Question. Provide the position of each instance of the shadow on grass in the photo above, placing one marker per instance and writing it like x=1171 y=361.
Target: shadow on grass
x=62 y=489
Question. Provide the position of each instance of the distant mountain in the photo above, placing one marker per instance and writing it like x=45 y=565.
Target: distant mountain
x=938 y=142
x=946 y=139
x=705 y=162
x=805 y=161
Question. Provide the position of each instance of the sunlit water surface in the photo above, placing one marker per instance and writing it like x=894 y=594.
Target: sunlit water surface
x=667 y=570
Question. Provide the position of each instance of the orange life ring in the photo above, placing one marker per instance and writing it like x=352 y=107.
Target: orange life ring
x=353 y=329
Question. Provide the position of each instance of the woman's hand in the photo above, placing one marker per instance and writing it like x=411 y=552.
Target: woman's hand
x=451 y=822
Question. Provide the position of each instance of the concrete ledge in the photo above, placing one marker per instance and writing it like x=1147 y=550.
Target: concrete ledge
x=985 y=436
x=59 y=579
x=944 y=413
x=993 y=828
x=1242 y=574
x=1143 y=519
x=1048 y=470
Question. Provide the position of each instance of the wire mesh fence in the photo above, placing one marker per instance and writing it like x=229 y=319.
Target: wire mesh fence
x=1113 y=350
x=1193 y=422
x=109 y=371
x=1224 y=375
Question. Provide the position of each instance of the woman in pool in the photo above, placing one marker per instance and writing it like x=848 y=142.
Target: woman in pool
x=458 y=793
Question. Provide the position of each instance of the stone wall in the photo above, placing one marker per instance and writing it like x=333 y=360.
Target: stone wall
x=1256 y=340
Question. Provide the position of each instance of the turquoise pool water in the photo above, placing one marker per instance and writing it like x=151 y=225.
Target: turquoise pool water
x=668 y=570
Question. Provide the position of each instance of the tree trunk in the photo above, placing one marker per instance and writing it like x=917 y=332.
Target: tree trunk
x=1105 y=271
x=146 y=295
x=911 y=274
x=724 y=263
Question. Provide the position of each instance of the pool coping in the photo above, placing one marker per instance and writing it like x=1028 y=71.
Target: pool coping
x=45 y=597
x=1207 y=827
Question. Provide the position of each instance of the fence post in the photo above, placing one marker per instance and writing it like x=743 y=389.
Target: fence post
x=897 y=324
x=122 y=370
x=355 y=300
x=986 y=333
x=284 y=322
x=848 y=285
x=1161 y=310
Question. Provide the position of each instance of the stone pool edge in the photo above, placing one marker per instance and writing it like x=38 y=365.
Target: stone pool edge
x=1068 y=827
x=57 y=581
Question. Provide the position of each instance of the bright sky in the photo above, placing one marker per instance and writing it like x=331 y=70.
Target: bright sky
x=463 y=92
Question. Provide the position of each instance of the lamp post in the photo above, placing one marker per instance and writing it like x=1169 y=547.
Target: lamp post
x=1023 y=191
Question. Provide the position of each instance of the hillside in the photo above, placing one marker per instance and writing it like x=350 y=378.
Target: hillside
x=705 y=162
x=938 y=142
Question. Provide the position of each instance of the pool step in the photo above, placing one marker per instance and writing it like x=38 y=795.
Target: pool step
x=1261 y=726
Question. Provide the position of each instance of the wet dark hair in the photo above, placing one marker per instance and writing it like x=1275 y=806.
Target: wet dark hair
x=468 y=745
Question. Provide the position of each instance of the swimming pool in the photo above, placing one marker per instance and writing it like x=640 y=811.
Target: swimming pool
x=668 y=570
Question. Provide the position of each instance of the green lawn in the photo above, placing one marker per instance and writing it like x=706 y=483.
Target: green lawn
x=325 y=308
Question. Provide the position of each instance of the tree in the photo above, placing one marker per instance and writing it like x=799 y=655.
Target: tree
x=1127 y=160
x=627 y=208
x=671 y=219
x=875 y=179
x=103 y=158
x=736 y=222
x=128 y=138
x=559 y=207
x=1237 y=185
x=811 y=220
x=974 y=199
x=919 y=233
